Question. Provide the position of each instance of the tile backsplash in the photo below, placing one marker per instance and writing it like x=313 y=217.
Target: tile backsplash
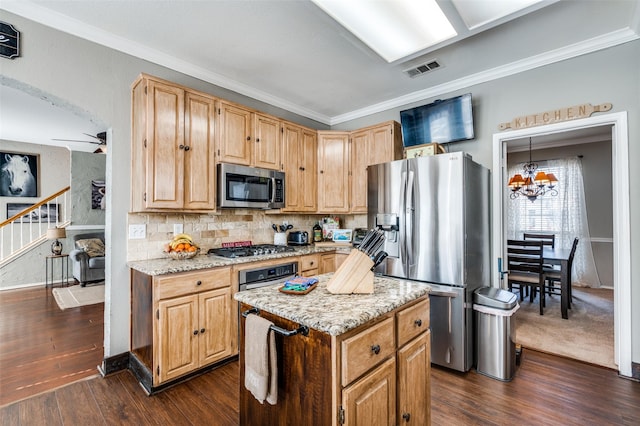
x=213 y=229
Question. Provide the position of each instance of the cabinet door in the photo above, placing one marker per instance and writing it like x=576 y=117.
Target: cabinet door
x=164 y=157
x=266 y=144
x=292 y=151
x=199 y=167
x=333 y=172
x=216 y=325
x=234 y=134
x=361 y=149
x=414 y=393
x=309 y=172
x=385 y=145
x=372 y=399
x=177 y=332
x=327 y=263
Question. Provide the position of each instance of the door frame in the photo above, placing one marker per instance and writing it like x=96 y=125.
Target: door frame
x=621 y=216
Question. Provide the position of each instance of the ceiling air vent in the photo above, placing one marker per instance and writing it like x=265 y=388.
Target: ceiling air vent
x=422 y=69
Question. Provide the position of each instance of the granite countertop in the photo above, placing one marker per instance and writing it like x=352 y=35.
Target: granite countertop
x=335 y=314
x=167 y=265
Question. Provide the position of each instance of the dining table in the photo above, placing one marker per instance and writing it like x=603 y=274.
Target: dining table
x=560 y=256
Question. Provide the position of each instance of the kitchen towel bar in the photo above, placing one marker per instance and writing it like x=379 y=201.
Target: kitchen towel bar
x=303 y=329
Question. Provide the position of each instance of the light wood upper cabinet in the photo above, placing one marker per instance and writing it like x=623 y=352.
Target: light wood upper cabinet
x=266 y=144
x=234 y=134
x=248 y=137
x=172 y=155
x=371 y=145
x=361 y=147
x=199 y=159
x=333 y=172
x=299 y=155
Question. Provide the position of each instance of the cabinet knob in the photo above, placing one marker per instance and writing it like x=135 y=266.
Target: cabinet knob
x=248 y=138
x=181 y=146
x=201 y=330
x=198 y=282
x=257 y=139
x=311 y=263
x=406 y=417
x=195 y=332
x=418 y=322
x=187 y=147
x=375 y=349
x=321 y=171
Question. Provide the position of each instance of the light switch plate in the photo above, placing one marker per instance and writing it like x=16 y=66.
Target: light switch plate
x=137 y=232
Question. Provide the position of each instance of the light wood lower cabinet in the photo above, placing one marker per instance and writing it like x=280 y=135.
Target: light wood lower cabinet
x=309 y=265
x=181 y=323
x=387 y=366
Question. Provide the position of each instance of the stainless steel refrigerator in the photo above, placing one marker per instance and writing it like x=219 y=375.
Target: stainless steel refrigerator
x=435 y=214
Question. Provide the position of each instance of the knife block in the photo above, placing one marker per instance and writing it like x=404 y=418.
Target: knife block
x=353 y=276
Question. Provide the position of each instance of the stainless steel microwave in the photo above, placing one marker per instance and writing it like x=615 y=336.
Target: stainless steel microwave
x=249 y=187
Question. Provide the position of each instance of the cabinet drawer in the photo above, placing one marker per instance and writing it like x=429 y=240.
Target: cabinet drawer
x=183 y=283
x=412 y=321
x=367 y=349
x=309 y=262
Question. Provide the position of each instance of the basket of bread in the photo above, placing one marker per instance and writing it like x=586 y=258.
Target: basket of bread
x=181 y=247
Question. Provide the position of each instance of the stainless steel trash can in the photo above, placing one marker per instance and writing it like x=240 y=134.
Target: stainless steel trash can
x=495 y=332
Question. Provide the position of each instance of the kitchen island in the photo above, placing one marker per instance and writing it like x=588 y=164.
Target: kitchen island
x=355 y=359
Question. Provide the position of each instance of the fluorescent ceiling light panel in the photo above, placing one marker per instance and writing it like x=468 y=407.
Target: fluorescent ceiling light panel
x=476 y=13
x=392 y=28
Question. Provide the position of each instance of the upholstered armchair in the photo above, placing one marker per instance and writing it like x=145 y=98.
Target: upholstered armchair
x=87 y=258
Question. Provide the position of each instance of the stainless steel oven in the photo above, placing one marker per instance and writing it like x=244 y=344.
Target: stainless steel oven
x=249 y=187
x=266 y=275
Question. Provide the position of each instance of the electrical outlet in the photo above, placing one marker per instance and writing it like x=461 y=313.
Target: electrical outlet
x=137 y=232
x=177 y=229
x=285 y=223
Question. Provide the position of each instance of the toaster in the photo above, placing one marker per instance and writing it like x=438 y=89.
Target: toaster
x=298 y=238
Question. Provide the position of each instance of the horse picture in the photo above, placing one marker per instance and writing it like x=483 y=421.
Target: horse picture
x=18 y=175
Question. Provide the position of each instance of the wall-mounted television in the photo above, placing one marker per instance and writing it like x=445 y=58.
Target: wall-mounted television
x=443 y=121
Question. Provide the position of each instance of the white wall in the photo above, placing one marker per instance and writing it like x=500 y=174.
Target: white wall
x=98 y=79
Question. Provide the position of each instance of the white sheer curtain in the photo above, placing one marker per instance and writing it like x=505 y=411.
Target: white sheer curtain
x=564 y=215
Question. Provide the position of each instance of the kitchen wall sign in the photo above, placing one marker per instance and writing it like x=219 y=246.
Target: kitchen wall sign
x=9 y=41
x=555 y=116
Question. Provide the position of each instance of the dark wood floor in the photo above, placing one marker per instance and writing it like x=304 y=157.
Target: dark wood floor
x=546 y=389
x=43 y=347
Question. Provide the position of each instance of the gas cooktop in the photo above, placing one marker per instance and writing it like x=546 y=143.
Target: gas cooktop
x=253 y=250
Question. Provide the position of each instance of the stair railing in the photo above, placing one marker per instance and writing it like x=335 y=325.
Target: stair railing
x=28 y=228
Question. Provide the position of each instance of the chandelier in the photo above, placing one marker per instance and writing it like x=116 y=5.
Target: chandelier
x=532 y=185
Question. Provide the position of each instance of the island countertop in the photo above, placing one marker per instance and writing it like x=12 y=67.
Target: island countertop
x=335 y=314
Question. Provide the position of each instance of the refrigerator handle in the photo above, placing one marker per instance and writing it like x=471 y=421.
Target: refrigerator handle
x=409 y=210
x=401 y=233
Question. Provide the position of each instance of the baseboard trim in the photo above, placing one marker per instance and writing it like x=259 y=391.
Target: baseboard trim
x=635 y=371
x=113 y=364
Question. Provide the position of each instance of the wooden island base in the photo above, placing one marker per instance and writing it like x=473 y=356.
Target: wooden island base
x=378 y=370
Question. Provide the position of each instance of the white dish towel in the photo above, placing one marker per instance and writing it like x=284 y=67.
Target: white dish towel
x=260 y=359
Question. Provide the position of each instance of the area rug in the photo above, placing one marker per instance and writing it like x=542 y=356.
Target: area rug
x=74 y=296
x=586 y=336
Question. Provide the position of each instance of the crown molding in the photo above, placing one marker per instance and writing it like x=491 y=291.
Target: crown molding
x=80 y=29
x=582 y=48
x=91 y=33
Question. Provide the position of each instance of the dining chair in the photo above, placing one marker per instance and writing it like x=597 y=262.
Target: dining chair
x=553 y=275
x=524 y=268
x=547 y=239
